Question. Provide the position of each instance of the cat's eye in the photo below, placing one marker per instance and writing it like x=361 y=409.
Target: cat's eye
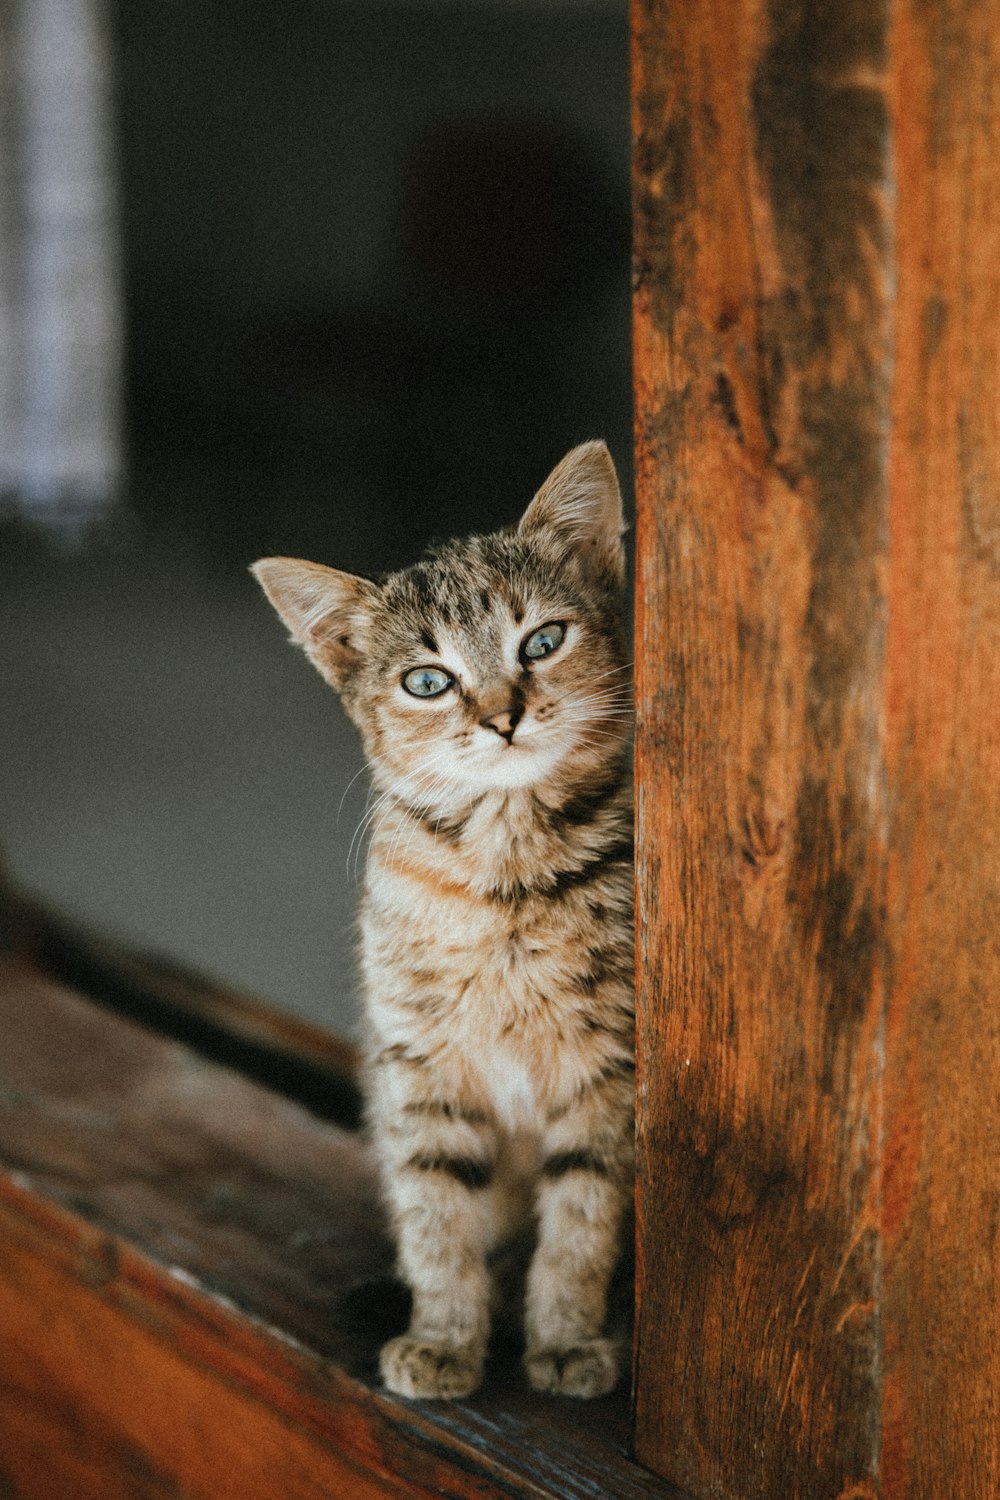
x=543 y=641
x=427 y=682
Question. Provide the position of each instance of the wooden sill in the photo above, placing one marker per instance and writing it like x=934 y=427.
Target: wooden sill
x=194 y=1282
x=291 y=1057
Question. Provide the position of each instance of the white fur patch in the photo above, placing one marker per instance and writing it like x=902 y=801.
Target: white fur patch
x=510 y=1088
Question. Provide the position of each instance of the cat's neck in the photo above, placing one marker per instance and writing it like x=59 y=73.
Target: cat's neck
x=508 y=839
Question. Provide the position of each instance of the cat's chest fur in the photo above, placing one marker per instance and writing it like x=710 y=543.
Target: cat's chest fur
x=487 y=948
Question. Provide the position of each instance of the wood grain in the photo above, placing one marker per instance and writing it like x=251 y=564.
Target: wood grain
x=818 y=756
x=941 y=1189
x=194 y=1283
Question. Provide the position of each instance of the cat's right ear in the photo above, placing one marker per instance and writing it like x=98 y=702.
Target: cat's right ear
x=325 y=610
x=579 y=508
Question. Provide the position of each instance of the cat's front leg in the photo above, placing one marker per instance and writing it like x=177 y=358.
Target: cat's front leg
x=584 y=1188
x=439 y=1184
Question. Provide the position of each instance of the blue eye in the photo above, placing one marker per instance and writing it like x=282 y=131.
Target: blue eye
x=544 y=641
x=427 y=682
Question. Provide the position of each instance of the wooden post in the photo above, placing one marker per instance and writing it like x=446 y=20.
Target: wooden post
x=941 y=1164
x=817 y=330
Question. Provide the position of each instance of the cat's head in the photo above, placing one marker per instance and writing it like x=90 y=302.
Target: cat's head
x=498 y=661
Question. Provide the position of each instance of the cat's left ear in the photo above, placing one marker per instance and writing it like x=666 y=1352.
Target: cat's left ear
x=325 y=610
x=580 y=507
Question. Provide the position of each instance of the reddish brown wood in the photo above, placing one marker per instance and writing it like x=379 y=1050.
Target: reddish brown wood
x=819 y=857
x=941 y=1193
x=193 y=1287
x=114 y=1385
x=761 y=395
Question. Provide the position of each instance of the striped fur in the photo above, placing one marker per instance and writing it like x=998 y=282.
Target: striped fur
x=497 y=919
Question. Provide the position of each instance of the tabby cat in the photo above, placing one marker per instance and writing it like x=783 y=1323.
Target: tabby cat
x=489 y=684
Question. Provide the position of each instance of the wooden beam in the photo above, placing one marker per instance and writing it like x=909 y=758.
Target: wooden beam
x=941 y=1166
x=818 y=755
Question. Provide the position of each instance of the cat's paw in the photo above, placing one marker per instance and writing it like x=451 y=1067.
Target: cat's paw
x=590 y=1368
x=420 y=1369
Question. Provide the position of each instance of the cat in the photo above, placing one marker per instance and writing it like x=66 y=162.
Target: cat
x=490 y=686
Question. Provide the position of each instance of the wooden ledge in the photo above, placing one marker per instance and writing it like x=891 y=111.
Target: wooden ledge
x=292 y=1057
x=195 y=1280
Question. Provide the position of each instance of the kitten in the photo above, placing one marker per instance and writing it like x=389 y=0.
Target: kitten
x=489 y=686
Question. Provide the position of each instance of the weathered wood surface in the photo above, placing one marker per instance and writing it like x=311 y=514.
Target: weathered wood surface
x=194 y=1281
x=941 y=1177
x=288 y=1055
x=762 y=397
x=818 y=754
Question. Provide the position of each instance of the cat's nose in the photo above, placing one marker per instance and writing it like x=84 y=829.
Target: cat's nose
x=504 y=722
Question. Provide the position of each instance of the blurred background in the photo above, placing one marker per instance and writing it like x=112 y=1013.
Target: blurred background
x=326 y=279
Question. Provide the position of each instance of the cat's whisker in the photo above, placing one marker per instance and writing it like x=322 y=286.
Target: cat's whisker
x=599 y=715
x=357 y=838
x=437 y=784
x=398 y=847
x=611 y=711
x=591 y=737
x=590 y=730
x=595 y=715
x=580 y=713
x=363 y=822
x=619 y=732
x=347 y=788
x=610 y=723
x=621 y=711
x=366 y=822
x=613 y=671
x=622 y=691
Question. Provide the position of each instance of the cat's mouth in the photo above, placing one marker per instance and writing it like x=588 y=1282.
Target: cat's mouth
x=523 y=758
x=523 y=741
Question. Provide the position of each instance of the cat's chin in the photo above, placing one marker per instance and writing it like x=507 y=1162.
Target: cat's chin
x=514 y=766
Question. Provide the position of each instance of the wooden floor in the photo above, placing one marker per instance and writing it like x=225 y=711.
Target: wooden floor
x=195 y=1279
